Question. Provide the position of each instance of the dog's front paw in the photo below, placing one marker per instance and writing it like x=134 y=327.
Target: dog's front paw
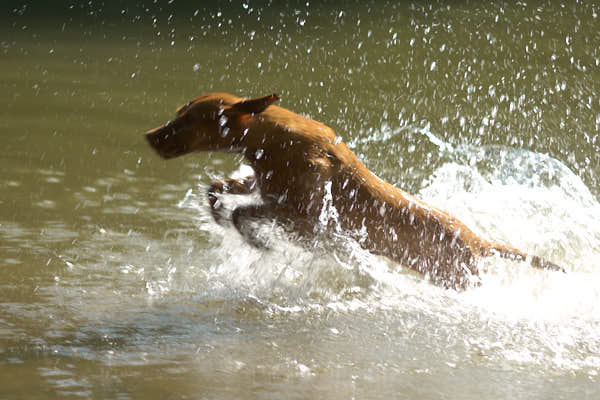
x=245 y=185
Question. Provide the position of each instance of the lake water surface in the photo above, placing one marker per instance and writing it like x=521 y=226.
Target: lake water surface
x=115 y=282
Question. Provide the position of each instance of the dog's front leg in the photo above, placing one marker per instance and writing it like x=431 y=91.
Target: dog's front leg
x=250 y=212
x=245 y=185
x=274 y=212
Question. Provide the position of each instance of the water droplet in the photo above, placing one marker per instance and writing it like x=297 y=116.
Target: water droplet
x=223 y=120
x=303 y=369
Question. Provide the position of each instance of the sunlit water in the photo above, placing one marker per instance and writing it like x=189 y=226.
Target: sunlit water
x=116 y=283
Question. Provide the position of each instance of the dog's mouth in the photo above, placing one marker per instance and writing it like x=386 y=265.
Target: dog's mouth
x=162 y=140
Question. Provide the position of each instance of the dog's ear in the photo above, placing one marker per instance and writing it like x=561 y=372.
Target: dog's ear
x=255 y=106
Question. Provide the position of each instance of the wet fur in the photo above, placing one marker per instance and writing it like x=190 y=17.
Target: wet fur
x=300 y=163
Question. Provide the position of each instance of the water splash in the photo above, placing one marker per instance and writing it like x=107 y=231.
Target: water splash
x=525 y=199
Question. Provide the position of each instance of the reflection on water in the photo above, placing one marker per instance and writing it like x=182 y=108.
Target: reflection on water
x=116 y=283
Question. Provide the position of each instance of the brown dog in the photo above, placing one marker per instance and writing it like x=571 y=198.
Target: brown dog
x=301 y=167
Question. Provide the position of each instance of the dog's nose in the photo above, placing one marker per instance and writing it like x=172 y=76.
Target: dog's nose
x=161 y=139
x=152 y=136
x=156 y=140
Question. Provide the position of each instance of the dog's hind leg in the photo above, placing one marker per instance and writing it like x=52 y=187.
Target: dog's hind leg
x=245 y=185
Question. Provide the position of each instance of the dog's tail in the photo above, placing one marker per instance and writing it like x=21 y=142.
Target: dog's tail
x=514 y=254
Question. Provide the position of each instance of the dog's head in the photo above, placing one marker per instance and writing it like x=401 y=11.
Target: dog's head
x=213 y=122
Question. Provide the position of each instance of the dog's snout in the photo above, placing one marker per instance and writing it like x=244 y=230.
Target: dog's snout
x=154 y=132
x=158 y=138
x=153 y=136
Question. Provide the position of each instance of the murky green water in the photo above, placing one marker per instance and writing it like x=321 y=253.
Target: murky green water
x=115 y=283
